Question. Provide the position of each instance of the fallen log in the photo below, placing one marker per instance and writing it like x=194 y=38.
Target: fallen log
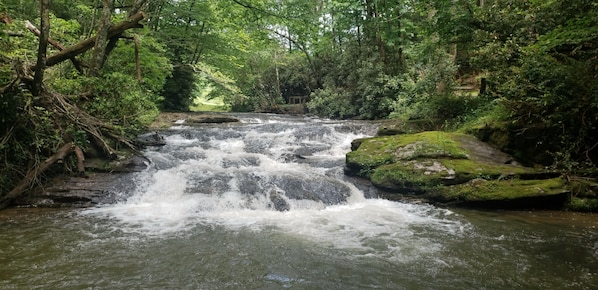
x=87 y=44
x=34 y=173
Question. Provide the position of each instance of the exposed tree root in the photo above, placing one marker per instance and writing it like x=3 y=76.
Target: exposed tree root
x=33 y=174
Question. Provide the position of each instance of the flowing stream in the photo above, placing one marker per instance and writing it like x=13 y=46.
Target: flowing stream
x=264 y=204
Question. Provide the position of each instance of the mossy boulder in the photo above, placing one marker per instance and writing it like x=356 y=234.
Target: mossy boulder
x=454 y=168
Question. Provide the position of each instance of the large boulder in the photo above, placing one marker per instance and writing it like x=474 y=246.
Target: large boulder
x=454 y=168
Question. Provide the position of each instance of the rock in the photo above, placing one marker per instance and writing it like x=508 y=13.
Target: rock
x=105 y=182
x=211 y=119
x=70 y=191
x=454 y=168
x=278 y=202
x=169 y=119
x=150 y=139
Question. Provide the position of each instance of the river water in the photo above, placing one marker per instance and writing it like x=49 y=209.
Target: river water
x=264 y=204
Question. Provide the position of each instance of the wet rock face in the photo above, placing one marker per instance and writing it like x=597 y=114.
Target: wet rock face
x=150 y=139
x=453 y=168
x=70 y=191
x=105 y=182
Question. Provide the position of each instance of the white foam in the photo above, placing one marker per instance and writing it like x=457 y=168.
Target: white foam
x=207 y=189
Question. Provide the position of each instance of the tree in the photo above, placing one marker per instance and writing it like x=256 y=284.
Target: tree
x=50 y=110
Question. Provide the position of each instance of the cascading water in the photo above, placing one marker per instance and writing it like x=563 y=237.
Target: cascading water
x=264 y=204
x=284 y=173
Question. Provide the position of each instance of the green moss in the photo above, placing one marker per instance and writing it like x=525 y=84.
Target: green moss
x=373 y=152
x=431 y=173
x=583 y=204
x=432 y=144
x=404 y=175
x=479 y=189
x=469 y=169
x=448 y=167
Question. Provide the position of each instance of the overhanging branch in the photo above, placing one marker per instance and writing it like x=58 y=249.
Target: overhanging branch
x=87 y=44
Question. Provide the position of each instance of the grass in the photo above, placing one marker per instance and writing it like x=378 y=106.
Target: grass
x=202 y=104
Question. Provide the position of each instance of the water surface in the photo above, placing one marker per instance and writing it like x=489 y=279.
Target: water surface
x=265 y=205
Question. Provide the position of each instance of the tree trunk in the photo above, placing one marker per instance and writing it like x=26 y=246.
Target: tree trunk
x=137 y=7
x=99 y=49
x=80 y=161
x=137 y=63
x=43 y=47
x=278 y=92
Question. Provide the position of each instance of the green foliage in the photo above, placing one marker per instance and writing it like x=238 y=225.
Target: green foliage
x=178 y=89
x=427 y=86
x=219 y=85
x=128 y=107
x=155 y=66
x=541 y=62
x=333 y=103
x=357 y=87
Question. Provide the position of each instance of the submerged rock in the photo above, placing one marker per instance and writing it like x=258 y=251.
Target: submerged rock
x=278 y=202
x=456 y=169
x=72 y=191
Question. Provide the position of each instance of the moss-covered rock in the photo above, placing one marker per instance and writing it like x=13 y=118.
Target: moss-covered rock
x=511 y=193
x=458 y=169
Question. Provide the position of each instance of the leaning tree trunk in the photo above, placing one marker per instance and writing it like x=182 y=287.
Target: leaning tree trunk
x=34 y=172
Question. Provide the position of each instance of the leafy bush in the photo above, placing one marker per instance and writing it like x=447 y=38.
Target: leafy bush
x=427 y=86
x=333 y=104
x=128 y=107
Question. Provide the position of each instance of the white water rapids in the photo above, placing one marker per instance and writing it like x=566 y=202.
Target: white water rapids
x=236 y=176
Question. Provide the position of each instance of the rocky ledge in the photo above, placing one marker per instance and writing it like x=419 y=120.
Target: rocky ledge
x=168 y=119
x=106 y=181
x=458 y=169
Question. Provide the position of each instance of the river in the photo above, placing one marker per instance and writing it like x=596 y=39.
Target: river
x=264 y=204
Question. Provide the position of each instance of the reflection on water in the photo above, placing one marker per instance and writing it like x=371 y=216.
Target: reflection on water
x=494 y=250
x=208 y=215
